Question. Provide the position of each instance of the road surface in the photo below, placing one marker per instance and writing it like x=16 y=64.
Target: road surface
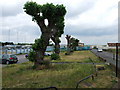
x=21 y=59
x=107 y=56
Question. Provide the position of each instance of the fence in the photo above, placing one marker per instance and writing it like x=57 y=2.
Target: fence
x=15 y=51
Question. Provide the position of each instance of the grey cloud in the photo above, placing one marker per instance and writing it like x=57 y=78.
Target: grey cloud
x=83 y=7
x=27 y=29
x=12 y=10
x=97 y=31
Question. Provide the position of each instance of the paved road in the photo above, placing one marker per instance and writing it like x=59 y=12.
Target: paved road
x=107 y=56
x=21 y=59
x=76 y=62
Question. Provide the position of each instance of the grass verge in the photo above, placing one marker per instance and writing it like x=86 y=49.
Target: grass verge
x=58 y=75
x=61 y=76
x=78 y=56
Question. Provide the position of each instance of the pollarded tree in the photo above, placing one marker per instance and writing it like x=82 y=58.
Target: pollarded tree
x=76 y=43
x=68 y=37
x=53 y=13
x=59 y=30
x=73 y=43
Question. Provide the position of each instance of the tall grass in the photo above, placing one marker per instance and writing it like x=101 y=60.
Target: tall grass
x=62 y=76
x=58 y=75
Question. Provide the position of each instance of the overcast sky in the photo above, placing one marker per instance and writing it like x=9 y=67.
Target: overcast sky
x=90 y=21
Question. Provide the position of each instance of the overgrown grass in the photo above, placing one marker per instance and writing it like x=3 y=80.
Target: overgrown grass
x=62 y=76
x=58 y=75
x=78 y=56
x=104 y=79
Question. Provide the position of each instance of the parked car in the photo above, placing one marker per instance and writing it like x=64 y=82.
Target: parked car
x=47 y=54
x=8 y=58
x=100 y=50
x=26 y=55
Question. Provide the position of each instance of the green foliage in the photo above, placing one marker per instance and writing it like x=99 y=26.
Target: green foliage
x=74 y=42
x=38 y=44
x=32 y=8
x=55 y=56
x=53 y=13
x=55 y=16
x=49 y=11
x=32 y=56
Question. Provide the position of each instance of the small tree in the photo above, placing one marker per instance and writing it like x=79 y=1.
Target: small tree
x=59 y=30
x=73 y=43
x=40 y=13
x=68 y=44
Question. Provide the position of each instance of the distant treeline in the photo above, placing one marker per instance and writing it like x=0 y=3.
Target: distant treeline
x=11 y=43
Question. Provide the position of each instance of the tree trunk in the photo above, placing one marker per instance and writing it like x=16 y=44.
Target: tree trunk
x=57 y=45
x=68 y=47
x=68 y=44
x=45 y=37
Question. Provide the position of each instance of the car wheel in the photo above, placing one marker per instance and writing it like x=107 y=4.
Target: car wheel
x=16 y=61
x=7 y=62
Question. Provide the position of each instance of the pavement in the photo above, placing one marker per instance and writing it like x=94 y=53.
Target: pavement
x=107 y=56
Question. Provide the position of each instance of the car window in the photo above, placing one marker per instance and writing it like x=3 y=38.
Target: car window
x=0 y=56
x=13 y=56
x=6 y=56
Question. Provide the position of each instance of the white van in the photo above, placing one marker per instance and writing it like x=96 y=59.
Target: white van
x=100 y=50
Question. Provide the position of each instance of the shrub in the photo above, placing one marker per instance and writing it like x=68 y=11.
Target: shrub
x=32 y=56
x=55 y=56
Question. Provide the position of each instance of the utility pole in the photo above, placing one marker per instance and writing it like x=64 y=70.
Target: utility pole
x=25 y=37
x=9 y=36
x=116 y=45
x=17 y=37
x=116 y=59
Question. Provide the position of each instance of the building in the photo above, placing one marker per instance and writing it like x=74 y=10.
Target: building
x=81 y=44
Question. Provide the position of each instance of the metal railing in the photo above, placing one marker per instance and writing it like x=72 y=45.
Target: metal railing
x=92 y=75
x=51 y=88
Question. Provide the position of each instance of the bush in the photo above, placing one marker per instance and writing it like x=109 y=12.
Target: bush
x=32 y=56
x=55 y=56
